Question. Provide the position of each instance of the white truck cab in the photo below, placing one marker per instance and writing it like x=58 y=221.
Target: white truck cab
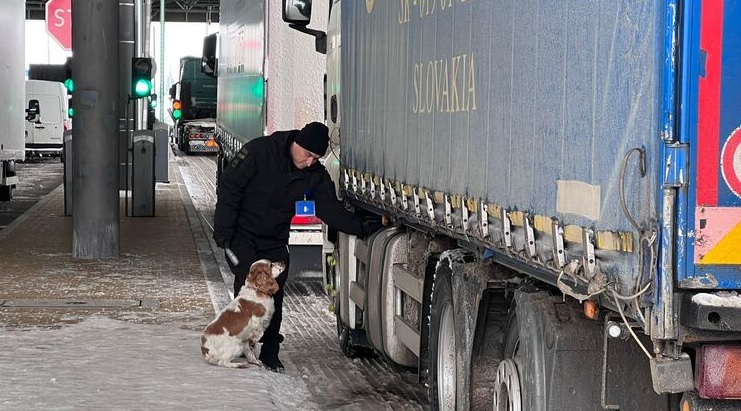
x=47 y=117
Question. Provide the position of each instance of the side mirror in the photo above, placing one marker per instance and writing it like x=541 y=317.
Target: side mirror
x=297 y=11
x=33 y=112
x=209 y=62
x=298 y=14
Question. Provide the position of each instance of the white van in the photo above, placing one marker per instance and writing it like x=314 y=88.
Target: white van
x=47 y=117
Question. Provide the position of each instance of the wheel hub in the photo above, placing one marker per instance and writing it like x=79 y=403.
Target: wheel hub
x=507 y=387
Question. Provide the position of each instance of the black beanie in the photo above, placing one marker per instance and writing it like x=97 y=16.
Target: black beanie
x=314 y=137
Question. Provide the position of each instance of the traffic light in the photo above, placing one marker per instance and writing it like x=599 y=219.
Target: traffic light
x=141 y=77
x=153 y=101
x=69 y=84
x=177 y=110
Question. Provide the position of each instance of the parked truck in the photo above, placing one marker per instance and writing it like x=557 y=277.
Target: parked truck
x=12 y=115
x=564 y=184
x=270 y=79
x=193 y=108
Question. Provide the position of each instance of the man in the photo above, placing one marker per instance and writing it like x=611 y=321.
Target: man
x=257 y=198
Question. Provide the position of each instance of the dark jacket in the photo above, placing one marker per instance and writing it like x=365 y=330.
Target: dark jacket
x=257 y=195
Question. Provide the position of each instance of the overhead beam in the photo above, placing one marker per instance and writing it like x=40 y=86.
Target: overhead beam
x=194 y=15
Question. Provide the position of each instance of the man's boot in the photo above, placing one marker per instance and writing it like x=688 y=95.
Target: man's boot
x=269 y=355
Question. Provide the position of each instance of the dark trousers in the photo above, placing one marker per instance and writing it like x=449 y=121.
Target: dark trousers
x=248 y=251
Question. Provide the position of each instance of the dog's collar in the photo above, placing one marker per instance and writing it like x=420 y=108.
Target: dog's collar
x=252 y=287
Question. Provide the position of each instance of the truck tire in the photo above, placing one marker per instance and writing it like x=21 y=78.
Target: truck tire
x=540 y=328
x=459 y=285
x=184 y=144
x=488 y=346
x=553 y=359
x=442 y=381
x=179 y=138
x=347 y=338
x=508 y=393
x=523 y=379
x=6 y=193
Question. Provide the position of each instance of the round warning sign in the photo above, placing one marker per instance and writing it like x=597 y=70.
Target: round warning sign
x=730 y=162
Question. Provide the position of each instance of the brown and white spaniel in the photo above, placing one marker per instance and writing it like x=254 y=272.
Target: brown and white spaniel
x=240 y=325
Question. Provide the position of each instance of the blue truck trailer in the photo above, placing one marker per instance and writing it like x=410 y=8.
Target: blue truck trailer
x=564 y=182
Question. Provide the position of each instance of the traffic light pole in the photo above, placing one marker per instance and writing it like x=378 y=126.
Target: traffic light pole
x=140 y=25
x=126 y=50
x=95 y=69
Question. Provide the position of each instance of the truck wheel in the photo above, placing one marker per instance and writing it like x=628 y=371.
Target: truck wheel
x=509 y=382
x=442 y=362
x=347 y=337
x=551 y=358
x=346 y=345
x=6 y=193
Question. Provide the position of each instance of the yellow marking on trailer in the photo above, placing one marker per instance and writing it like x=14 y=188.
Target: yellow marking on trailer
x=542 y=223
x=494 y=210
x=438 y=197
x=456 y=201
x=608 y=240
x=727 y=251
x=517 y=218
x=572 y=234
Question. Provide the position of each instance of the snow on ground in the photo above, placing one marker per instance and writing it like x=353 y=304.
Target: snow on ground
x=107 y=364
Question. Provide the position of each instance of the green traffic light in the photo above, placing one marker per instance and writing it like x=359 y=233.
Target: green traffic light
x=69 y=84
x=176 y=114
x=71 y=112
x=143 y=88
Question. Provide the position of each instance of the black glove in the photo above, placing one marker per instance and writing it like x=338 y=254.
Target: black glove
x=371 y=224
x=221 y=243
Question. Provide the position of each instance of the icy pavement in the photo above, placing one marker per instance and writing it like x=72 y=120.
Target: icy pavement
x=106 y=364
x=58 y=354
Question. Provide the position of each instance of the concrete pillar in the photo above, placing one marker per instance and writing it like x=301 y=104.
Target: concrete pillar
x=95 y=68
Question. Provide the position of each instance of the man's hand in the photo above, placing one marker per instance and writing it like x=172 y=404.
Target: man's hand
x=221 y=243
x=373 y=223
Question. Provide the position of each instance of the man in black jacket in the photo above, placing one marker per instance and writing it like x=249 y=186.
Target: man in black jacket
x=257 y=198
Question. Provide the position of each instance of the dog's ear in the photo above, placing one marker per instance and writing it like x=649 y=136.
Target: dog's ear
x=271 y=285
x=277 y=268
